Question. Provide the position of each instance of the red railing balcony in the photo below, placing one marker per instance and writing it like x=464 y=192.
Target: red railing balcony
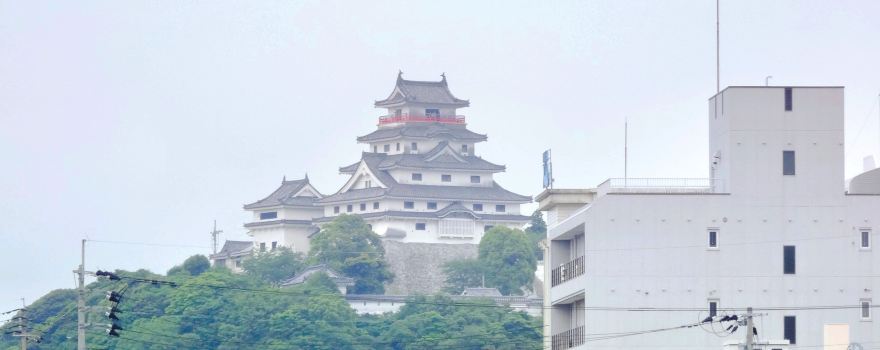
x=405 y=118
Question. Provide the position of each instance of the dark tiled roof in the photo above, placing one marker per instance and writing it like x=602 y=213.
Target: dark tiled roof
x=277 y=222
x=466 y=193
x=423 y=130
x=430 y=92
x=429 y=215
x=284 y=196
x=234 y=248
x=388 y=162
x=301 y=277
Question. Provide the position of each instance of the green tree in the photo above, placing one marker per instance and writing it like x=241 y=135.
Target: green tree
x=194 y=266
x=537 y=231
x=348 y=245
x=508 y=260
x=461 y=274
x=275 y=266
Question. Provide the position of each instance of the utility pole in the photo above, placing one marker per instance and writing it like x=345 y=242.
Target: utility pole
x=81 y=301
x=22 y=326
x=214 y=235
x=750 y=329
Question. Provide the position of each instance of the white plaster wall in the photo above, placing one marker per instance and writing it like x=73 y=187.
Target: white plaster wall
x=431 y=177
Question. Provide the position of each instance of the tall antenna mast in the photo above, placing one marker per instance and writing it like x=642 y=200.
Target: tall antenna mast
x=625 y=148
x=717 y=47
x=214 y=235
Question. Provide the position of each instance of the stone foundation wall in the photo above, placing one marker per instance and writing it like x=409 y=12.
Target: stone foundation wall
x=418 y=267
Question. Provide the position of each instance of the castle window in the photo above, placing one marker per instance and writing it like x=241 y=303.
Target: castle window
x=414 y=146
x=262 y=246
x=274 y=245
x=398 y=146
x=368 y=184
x=417 y=177
x=478 y=207
x=398 y=112
x=375 y=205
x=464 y=148
x=409 y=205
x=487 y=228
x=432 y=205
x=375 y=149
x=446 y=178
x=363 y=206
x=336 y=210
x=348 y=208
x=475 y=179
x=420 y=226
x=387 y=148
x=432 y=112
x=268 y=215
x=500 y=208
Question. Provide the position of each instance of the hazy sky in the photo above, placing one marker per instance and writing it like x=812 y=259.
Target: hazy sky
x=146 y=120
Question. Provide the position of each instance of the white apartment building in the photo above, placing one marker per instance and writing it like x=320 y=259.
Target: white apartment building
x=774 y=227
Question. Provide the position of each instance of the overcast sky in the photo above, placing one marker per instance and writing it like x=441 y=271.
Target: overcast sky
x=143 y=121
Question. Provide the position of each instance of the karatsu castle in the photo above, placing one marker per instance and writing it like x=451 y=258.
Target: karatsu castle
x=419 y=183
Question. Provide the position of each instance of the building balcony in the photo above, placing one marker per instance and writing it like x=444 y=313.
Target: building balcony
x=661 y=185
x=567 y=271
x=569 y=339
x=407 y=118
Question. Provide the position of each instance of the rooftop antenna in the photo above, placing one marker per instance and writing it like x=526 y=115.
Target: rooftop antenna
x=625 y=147
x=214 y=234
x=717 y=47
x=767 y=80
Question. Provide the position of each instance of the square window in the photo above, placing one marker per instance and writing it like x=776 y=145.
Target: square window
x=363 y=206
x=268 y=215
x=464 y=148
x=417 y=177
x=500 y=208
x=865 y=309
x=788 y=260
x=409 y=205
x=475 y=179
x=348 y=208
x=375 y=205
x=478 y=207
x=336 y=210
x=790 y=329
x=713 y=239
x=788 y=103
x=387 y=148
x=368 y=184
x=263 y=246
x=274 y=245
x=865 y=239
x=788 y=163
x=446 y=178
x=420 y=226
x=432 y=112
x=432 y=205
x=375 y=149
x=397 y=148
x=414 y=146
x=713 y=307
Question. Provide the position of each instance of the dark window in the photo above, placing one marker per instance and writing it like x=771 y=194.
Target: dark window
x=432 y=205
x=368 y=184
x=414 y=146
x=348 y=208
x=263 y=246
x=487 y=228
x=713 y=308
x=398 y=112
x=398 y=146
x=370 y=226
x=790 y=329
x=274 y=245
x=500 y=208
x=432 y=112
x=386 y=148
x=363 y=206
x=268 y=215
x=417 y=177
x=375 y=205
x=713 y=239
x=238 y=263
x=375 y=149
x=420 y=226
x=336 y=210
x=788 y=259
x=787 y=99
x=464 y=148
x=409 y=205
x=866 y=309
x=866 y=239
x=475 y=179
x=446 y=178
x=478 y=207
x=787 y=162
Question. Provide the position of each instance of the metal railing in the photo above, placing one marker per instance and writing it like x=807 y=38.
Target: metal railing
x=403 y=118
x=661 y=185
x=567 y=271
x=569 y=339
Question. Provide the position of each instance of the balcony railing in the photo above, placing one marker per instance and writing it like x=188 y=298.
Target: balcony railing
x=405 y=118
x=661 y=185
x=569 y=339
x=567 y=271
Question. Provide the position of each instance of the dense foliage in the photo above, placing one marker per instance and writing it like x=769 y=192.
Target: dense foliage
x=349 y=245
x=275 y=266
x=219 y=310
x=506 y=261
x=537 y=232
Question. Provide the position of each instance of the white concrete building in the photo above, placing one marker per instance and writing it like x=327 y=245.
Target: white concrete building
x=418 y=181
x=774 y=228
